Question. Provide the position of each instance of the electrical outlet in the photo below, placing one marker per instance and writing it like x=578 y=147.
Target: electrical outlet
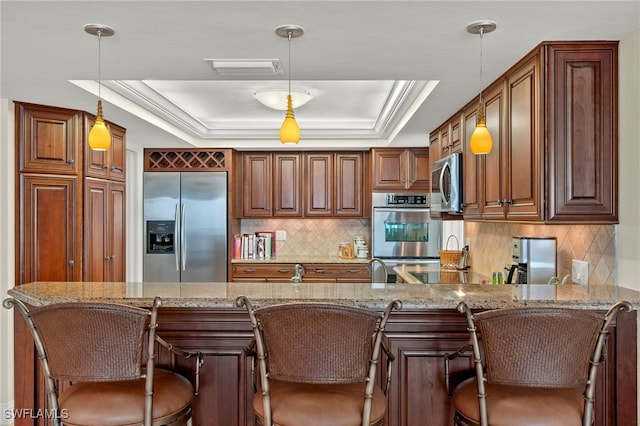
x=580 y=272
x=281 y=235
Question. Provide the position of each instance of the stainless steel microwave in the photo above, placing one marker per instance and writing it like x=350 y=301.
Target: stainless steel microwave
x=446 y=184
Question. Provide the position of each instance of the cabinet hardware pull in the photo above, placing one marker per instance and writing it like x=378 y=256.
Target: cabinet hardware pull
x=284 y=271
x=248 y=270
x=72 y=262
x=70 y=161
x=113 y=169
x=105 y=167
x=353 y=271
x=500 y=202
x=319 y=271
x=508 y=202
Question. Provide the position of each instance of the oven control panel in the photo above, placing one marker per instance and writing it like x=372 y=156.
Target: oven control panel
x=407 y=200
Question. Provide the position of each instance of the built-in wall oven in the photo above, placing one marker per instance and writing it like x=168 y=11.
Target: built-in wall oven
x=402 y=232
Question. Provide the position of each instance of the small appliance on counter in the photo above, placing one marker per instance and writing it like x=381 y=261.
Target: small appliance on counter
x=534 y=260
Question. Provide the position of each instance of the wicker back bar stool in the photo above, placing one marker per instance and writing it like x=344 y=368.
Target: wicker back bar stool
x=532 y=366
x=317 y=363
x=98 y=348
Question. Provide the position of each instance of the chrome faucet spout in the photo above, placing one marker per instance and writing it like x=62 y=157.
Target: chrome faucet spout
x=384 y=268
x=298 y=273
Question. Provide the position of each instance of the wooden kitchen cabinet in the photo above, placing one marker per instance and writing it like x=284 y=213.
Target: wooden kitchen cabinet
x=67 y=222
x=50 y=229
x=400 y=169
x=272 y=185
x=553 y=118
x=472 y=181
x=313 y=272
x=109 y=164
x=304 y=184
x=335 y=184
x=105 y=221
x=581 y=85
x=48 y=139
x=338 y=272
x=262 y=272
x=449 y=138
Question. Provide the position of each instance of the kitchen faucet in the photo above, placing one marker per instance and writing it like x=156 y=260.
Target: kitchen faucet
x=298 y=273
x=384 y=268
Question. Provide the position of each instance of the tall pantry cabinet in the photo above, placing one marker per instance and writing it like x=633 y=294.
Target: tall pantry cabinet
x=71 y=200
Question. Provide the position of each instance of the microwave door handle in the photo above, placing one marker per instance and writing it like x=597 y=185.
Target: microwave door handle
x=442 y=195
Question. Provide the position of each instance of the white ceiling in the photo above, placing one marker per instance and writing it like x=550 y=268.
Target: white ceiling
x=380 y=72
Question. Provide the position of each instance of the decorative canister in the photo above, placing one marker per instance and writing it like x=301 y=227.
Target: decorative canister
x=345 y=251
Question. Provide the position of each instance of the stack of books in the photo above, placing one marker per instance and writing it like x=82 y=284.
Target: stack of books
x=260 y=245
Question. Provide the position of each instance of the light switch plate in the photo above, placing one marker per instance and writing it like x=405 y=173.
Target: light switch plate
x=580 y=272
x=281 y=235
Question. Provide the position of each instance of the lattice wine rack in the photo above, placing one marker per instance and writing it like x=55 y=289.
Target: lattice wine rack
x=185 y=159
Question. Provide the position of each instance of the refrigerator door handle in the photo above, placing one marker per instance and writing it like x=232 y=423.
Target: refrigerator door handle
x=183 y=239
x=178 y=231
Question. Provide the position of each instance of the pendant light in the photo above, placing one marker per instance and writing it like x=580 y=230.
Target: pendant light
x=481 y=141
x=99 y=137
x=289 y=131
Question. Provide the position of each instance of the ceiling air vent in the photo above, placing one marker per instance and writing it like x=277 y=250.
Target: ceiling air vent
x=245 y=66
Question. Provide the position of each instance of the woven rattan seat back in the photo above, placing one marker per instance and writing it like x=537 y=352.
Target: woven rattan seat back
x=318 y=343
x=538 y=347
x=92 y=342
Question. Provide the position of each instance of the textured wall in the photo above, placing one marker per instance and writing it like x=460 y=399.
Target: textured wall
x=596 y=244
x=310 y=237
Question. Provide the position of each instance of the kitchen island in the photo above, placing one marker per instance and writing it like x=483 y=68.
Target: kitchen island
x=203 y=316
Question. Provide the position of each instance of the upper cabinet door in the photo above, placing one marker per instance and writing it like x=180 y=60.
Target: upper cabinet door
x=350 y=185
x=401 y=169
x=319 y=184
x=582 y=90
x=48 y=139
x=257 y=189
x=287 y=181
x=109 y=164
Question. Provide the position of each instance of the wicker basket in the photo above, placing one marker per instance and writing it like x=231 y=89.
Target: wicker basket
x=450 y=277
x=450 y=259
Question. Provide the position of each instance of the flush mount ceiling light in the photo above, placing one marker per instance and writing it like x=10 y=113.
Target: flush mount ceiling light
x=99 y=137
x=289 y=131
x=277 y=98
x=481 y=141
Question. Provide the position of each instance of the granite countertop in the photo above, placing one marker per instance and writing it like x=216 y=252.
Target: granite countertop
x=304 y=259
x=375 y=295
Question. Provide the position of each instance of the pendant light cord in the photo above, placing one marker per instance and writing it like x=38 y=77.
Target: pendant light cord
x=481 y=34
x=99 y=34
x=289 y=34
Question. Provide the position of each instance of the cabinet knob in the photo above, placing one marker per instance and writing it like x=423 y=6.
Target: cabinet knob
x=72 y=262
x=508 y=202
x=70 y=161
x=113 y=169
x=500 y=202
x=105 y=167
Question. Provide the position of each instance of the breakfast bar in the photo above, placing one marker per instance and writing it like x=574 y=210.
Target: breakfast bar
x=203 y=316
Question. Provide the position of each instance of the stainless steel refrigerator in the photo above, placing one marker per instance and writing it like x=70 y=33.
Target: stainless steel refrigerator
x=185 y=226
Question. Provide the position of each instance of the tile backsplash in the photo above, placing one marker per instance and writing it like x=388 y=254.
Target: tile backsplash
x=311 y=237
x=595 y=244
x=490 y=242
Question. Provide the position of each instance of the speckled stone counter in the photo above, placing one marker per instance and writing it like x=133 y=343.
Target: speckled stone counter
x=202 y=316
x=377 y=295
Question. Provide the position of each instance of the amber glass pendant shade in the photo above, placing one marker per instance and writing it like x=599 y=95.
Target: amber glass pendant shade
x=99 y=136
x=289 y=131
x=481 y=141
